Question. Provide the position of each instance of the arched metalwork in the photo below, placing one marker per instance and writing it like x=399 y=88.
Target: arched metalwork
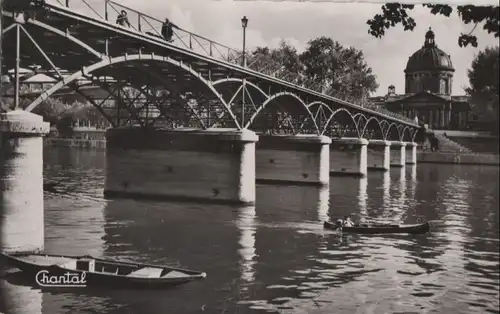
x=361 y=121
x=321 y=113
x=274 y=100
x=237 y=80
x=335 y=126
x=407 y=134
x=123 y=59
x=392 y=133
x=372 y=129
x=245 y=101
x=68 y=36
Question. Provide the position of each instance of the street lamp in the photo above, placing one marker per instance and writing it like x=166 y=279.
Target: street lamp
x=244 y=23
x=1 y=42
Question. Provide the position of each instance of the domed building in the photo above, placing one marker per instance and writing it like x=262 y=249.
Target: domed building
x=428 y=87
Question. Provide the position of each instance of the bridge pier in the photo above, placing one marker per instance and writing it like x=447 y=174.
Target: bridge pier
x=216 y=165
x=299 y=159
x=411 y=153
x=398 y=154
x=379 y=155
x=21 y=178
x=348 y=156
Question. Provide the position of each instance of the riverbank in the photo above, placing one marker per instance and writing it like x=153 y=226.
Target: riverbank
x=74 y=142
x=458 y=158
x=422 y=157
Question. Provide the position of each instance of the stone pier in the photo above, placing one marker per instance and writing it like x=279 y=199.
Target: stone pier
x=348 y=156
x=216 y=165
x=21 y=181
x=411 y=153
x=379 y=155
x=398 y=154
x=293 y=159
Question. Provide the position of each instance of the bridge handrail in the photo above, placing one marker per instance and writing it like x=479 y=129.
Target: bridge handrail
x=234 y=56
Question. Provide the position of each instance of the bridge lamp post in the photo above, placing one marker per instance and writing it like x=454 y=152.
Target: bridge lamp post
x=1 y=36
x=244 y=23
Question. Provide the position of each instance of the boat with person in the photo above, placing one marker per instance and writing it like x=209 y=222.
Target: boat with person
x=97 y=271
x=378 y=228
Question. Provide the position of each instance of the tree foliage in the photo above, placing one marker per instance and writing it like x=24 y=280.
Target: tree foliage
x=484 y=81
x=341 y=71
x=396 y=13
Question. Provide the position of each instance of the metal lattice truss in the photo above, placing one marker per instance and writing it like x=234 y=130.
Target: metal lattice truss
x=153 y=83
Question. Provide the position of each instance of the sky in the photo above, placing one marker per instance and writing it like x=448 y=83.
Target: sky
x=298 y=22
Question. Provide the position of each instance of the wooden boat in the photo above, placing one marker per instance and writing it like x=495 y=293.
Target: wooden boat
x=380 y=228
x=99 y=272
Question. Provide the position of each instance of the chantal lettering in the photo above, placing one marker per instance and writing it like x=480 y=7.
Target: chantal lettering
x=44 y=279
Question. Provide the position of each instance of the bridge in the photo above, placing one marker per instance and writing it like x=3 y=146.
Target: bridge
x=190 y=114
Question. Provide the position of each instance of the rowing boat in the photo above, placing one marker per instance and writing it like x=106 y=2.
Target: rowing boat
x=97 y=271
x=380 y=228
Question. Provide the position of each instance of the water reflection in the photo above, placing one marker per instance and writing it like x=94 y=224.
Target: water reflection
x=21 y=298
x=247 y=225
x=378 y=193
x=412 y=172
x=363 y=197
x=399 y=205
x=346 y=193
x=277 y=256
x=324 y=204
x=386 y=186
x=449 y=232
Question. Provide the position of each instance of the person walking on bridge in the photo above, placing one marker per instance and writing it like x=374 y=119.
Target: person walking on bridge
x=167 y=30
x=122 y=19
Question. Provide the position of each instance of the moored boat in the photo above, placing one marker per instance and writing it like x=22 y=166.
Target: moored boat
x=60 y=270
x=380 y=228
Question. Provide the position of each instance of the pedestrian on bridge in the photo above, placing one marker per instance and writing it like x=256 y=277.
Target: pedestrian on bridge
x=122 y=19
x=167 y=30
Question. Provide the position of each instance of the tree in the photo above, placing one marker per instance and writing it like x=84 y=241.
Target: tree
x=342 y=71
x=396 y=13
x=484 y=82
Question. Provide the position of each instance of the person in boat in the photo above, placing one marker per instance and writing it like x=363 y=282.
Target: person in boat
x=339 y=222
x=167 y=30
x=348 y=222
x=122 y=19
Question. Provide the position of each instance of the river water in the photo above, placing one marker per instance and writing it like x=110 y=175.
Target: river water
x=276 y=257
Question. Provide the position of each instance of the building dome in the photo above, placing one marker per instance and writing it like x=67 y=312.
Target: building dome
x=429 y=57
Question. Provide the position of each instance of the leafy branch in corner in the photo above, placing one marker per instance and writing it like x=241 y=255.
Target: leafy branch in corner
x=395 y=13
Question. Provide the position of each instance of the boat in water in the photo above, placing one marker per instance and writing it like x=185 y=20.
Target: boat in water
x=377 y=228
x=60 y=270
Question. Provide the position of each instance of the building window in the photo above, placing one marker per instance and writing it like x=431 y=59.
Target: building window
x=442 y=87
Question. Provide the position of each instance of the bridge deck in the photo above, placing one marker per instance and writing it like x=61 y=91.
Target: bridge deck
x=94 y=39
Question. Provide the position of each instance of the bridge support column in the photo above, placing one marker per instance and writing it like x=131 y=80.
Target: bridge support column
x=379 y=155
x=348 y=156
x=398 y=154
x=184 y=164
x=411 y=153
x=299 y=159
x=21 y=178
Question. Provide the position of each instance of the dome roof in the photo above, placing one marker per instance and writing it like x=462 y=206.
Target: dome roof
x=429 y=57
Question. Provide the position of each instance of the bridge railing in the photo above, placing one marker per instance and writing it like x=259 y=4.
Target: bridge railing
x=182 y=38
x=152 y=26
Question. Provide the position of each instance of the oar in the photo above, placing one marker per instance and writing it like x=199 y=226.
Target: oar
x=331 y=226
